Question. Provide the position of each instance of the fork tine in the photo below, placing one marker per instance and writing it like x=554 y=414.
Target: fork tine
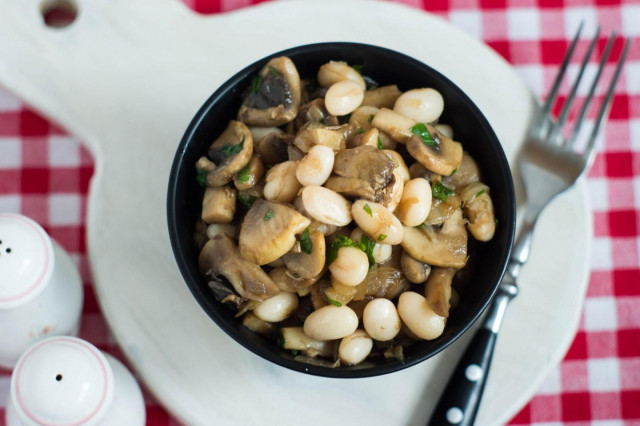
x=574 y=89
x=592 y=89
x=546 y=109
x=603 y=113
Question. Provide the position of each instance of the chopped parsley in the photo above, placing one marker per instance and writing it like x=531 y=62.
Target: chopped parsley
x=294 y=352
x=367 y=209
x=423 y=133
x=305 y=242
x=269 y=215
x=334 y=302
x=255 y=84
x=338 y=243
x=201 y=177
x=382 y=237
x=357 y=68
x=441 y=192
x=367 y=245
x=453 y=172
x=273 y=71
x=379 y=143
x=244 y=174
x=229 y=150
x=247 y=200
x=361 y=131
x=480 y=193
x=370 y=118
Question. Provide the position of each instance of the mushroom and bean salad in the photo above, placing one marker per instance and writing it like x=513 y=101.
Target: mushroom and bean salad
x=339 y=213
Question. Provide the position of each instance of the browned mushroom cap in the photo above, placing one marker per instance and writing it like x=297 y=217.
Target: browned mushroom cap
x=442 y=160
x=307 y=265
x=274 y=96
x=385 y=281
x=446 y=246
x=269 y=230
x=231 y=152
x=367 y=166
x=220 y=256
x=417 y=272
x=315 y=111
x=272 y=148
x=466 y=173
x=290 y=281
x=438 y=290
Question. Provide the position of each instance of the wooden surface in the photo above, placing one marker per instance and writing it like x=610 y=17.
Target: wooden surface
x=127 y=76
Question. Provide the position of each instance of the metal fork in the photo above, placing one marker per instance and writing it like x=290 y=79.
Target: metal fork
x=549 y=165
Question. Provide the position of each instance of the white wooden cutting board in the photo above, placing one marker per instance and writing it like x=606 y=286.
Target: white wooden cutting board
x=127 y=76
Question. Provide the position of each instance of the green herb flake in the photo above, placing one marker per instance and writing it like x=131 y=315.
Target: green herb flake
x=367 y=245
x=496 y=221
x=367 y=209
x=370 y=118
x=255 y=84
x=305 y=242
x=269 y=215
x=294 y=352
x=453 y=172
x=338 y=243
x=244 y=174
x=379 y=143
x=423 y=133
x=361 y=131
x=229 y=150
x=201 y=177
x=479 y=193
x=441 y=192
x=247 y=200
x=334 y=302
x=358 y=68
x=273 y=71
x=382 y=237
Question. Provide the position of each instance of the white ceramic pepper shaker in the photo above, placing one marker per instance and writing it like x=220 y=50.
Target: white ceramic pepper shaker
x=64 y=380
x=40 y=288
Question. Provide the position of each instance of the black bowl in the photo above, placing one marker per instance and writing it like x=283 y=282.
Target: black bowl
x=386 y=67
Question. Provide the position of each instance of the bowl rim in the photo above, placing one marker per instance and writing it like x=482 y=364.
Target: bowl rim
x=182 y=259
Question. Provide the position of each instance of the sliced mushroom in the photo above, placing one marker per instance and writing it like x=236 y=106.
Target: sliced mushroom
x=287 y=280
x=367 y=163
x=417 y=272
x=315 y=111
x=220 y=256
x=307 y=265
x=273 y=147
x=269 y=230
x=249 y=175
x=230 y=152
x=438 y=290
x=218 y=204
x=385 y=281
x=274 y=96
x=439 y=246
x=314 y=133
x=382 y=97
x=467 y=172
x=351 y=187
x=365 y=137
x=442 y=160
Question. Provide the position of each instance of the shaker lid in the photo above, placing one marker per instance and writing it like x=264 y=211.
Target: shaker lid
x=62 y=381
x=26 y=259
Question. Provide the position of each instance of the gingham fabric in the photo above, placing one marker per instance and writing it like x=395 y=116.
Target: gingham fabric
x=44 y=174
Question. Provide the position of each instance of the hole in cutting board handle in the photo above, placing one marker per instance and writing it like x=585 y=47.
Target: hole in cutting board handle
x=58 y=13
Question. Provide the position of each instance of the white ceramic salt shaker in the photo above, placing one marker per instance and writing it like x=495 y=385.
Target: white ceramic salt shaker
x=64 y=380
x=40 y=288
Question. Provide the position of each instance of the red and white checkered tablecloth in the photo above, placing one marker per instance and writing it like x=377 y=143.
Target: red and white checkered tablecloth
x=44 y=174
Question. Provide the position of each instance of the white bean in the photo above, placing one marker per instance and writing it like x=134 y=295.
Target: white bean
x=316 y=166
x=355 y=347
x=377 y=222
x=335 y=71
x=381 y=252
x=422 y=105
x=381 y=319
x=398 y=164
x=350 y=267
x=415 y=204
x=326 y=206
x=419 y=317
x=330 y=322
x=445 y=130
x=343 y=97
x=281 y=183
x=277 y=308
